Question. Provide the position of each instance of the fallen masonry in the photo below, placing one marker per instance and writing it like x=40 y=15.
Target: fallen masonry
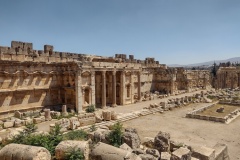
x=161 y=147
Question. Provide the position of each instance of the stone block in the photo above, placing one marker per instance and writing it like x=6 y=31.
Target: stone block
x=153 y=152
x=221 y=152
x=203 y=153
x=181 y=154
x=64 y=123
x=165 y=156
x=28 y=121
x=87 y=121
x=65 y=146
x=8 y=124
x=126 y=147
x=107 y=152
x=114 y=115
x=24 y=152
x=18 y=123
x=148 y=142
x=131 y=138
x=106 y=115
x=74 y=124
x=37 y=120
x=18 y=114
x=98 y=118
x=162 y=142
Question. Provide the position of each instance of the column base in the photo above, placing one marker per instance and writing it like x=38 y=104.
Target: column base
x=103 y=107
x=114 y=105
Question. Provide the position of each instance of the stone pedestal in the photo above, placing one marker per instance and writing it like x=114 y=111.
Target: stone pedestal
x=64 y=110
x=47 y=115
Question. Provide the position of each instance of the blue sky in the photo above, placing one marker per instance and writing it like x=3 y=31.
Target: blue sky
x=172 y=31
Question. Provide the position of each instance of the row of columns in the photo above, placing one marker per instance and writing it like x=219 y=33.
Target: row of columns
x=79 y=92
x=114 y=103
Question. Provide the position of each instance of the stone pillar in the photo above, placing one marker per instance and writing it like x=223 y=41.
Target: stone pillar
x=47 y=115
x=83 y=96
x=59 y=97
x=103 y=89
x=65 y=97
x=186 y=99
x=139 y=86
x=93 y=101
x=172 y=86
x=78 y=91
x=123 y=88
x=132 y=87
x=114 y=88
x=64 y=110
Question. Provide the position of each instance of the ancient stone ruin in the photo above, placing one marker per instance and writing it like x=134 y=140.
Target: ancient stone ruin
x=32 y=79
x=48 y=86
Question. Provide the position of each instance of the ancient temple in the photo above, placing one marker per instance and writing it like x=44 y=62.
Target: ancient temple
x=33 y=79
x=227 y=77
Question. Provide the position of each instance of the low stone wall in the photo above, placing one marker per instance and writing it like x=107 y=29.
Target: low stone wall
x=230 y=102
x=195 y=114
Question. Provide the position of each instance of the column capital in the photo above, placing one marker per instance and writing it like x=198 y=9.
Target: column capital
x=103 y=72
x=114 y=72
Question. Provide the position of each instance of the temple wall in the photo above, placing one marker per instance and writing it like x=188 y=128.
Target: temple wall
x=32 y=79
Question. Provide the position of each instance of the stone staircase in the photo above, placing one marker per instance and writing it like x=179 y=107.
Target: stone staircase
x=127 y=117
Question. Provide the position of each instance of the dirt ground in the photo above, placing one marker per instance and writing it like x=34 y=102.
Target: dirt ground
x=190 y=131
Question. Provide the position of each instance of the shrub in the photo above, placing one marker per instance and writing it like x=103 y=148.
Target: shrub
x=90 y=109
x=74 y=154
x=75 y=135
x=48 y=141
x=115 y=136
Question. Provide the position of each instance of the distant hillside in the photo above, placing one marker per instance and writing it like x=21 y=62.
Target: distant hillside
x=209 y=63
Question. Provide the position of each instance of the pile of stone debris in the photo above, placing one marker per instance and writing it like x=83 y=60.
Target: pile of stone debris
x=97 y=147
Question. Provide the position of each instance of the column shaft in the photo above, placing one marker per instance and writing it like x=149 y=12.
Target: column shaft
x=123 y=88
x=78 y=91
x=93 y=92
x=103 y=89
x=139 y=86
x=114 y=89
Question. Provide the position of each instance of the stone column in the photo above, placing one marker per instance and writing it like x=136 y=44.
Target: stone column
x=65 y=97
x=59 y=96
x=93 y=101
x=47 y=115
x=78 y=91
x=114 y=89
x=103 y=89
x=132 y=88
x=64 y=110
x=123 y=88
x=139 y=86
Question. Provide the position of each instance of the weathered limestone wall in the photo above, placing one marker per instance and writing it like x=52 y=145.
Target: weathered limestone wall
x=228 y=77
x=32 y=79
x=28 y=85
